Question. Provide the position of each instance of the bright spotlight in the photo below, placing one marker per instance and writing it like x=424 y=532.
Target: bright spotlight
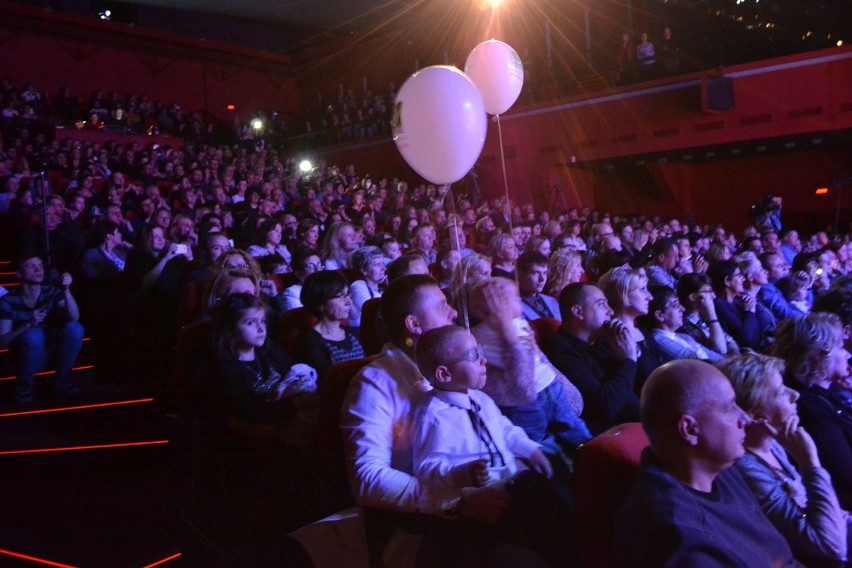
x=257 y=124
x=305 y=166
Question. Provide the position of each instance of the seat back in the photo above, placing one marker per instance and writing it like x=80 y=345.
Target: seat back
x=370 y=336
x=604 y=471
x=191 y=301
x=294 y=323
x=332 y=390
x=544 y=328
x=193 y=356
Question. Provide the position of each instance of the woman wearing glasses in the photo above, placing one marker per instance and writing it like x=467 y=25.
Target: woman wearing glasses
x=305 y=263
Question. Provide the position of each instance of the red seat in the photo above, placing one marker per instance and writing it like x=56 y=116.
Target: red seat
x=191 y=298
x=351 y=274
x=603 y=475
x=294 y=323
x=193 y=355
x=544 y=329
x=370 y=336
x=332 y=391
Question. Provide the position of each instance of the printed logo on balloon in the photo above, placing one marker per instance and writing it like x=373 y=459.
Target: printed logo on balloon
x=496 y=70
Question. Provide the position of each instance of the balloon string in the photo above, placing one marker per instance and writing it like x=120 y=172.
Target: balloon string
x=505 y=181
x=456 y=244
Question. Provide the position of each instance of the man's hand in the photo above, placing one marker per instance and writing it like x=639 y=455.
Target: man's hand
x=484 y=504
x=621 y=340
x=38 y=317
x=65 y=282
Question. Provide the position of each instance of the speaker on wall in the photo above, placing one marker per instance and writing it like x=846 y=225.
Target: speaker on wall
x=717 y=93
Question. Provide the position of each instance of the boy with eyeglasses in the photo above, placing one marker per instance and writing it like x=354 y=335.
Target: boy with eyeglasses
x=461 y=439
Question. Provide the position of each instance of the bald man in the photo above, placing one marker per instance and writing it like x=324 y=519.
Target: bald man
x=688 y=507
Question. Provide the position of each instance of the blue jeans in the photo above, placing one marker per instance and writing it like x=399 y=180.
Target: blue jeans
x=550 y=421
x=33 y=347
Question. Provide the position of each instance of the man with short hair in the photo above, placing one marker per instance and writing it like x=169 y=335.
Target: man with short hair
x=770 y=295
x=532 y=276
x=665 y=255
x=770 y=242
x=688 y=507
x=791 y=245
x=38 y=319
x=598 y=355
x=376 y=416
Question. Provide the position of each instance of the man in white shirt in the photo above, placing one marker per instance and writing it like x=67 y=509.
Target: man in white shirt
x=377 y=417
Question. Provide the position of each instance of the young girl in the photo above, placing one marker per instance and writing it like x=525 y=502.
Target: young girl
x=255 y=378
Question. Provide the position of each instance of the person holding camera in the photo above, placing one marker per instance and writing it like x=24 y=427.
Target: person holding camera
x=38 y=319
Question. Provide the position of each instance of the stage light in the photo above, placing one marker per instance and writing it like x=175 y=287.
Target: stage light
x=305 y=166
x=821 y=190
x=231 y=107
x=257 y=124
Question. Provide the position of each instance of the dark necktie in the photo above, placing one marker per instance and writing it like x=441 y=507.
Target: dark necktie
x=495 y=457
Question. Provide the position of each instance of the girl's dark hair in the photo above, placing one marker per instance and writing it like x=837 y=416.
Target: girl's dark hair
x=321 y=287
x=719 y=272
x=265 y=227
x=690 y=284
x=226 y=315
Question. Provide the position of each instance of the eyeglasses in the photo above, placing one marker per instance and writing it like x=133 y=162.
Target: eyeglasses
x=314 y=266
x=473 y=355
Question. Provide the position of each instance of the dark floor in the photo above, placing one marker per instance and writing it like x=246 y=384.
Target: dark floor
x=216 y=503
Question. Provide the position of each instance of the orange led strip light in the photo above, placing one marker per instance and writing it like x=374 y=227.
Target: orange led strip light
x=81 y=407
x=73 y=448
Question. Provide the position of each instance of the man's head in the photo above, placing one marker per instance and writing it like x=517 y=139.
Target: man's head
x=776 y=266
x=689 y=412
x=532 y=273
x=666 y=254
x=412 y=305
x=584 y=307
x=31 y=268
x=423 y=237
x=770 y=241
x=409 y=263
x=451 y=359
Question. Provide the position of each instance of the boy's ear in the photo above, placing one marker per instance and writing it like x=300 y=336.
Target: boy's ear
x=442 y=374
x=577 y=311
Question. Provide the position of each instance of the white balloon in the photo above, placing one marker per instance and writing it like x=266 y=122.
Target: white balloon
x=497 y=71
x=439 y=123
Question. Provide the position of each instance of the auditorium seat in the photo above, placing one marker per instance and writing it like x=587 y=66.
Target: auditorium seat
x=544 y=328
x=603 y=475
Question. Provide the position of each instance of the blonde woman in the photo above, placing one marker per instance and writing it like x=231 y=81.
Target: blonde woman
x=800 y=502
x=564 y=267
x=812 y=347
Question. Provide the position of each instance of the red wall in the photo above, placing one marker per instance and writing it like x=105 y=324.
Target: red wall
x=55 y=50
x=568 y=143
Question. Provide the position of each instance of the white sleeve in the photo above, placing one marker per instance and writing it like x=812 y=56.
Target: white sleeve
x=359 y=293
x=369 y=427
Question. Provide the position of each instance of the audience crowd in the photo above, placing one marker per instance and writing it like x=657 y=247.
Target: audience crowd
x=279 y=272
